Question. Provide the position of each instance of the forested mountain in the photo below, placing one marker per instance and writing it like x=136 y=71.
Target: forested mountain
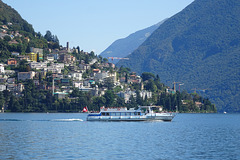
x=125 y=46
x=199 y=46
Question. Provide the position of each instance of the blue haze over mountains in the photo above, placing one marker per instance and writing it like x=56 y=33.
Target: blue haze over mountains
x=125 y=46
x=200 y=47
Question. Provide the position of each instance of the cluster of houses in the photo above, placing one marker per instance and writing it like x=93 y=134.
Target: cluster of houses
x=4 y=31
x=55 y=62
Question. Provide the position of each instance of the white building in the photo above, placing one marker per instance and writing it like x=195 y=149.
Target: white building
x=128 y=93
x=38 y=65
x=113 y=76
x=93 y=61
x=100 y=76
x=58 y=65
x=144 y=94
x=76 y=76
x=2 y=68
x=3 y=87
x=55 y=68
x=50 y=57
x=78 y=84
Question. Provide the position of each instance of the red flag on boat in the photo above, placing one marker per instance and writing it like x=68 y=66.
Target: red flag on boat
x=85 y=109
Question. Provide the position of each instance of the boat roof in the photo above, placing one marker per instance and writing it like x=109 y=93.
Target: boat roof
x=117 y=109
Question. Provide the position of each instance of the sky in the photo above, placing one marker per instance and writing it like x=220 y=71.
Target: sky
x=94 y=25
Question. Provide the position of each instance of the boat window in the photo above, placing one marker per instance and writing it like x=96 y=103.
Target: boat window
x=107 y=113
x=128 y=114
x=118 y=114
x=138 y=113
x=103 y=114
x=132 y=114
x=135 y=113
x=123 y=114
x=113 y=114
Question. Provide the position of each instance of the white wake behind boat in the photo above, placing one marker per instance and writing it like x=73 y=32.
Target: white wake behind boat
x=122 y=114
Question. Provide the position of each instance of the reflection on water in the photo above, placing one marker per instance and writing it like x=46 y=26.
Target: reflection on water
x=69 y=136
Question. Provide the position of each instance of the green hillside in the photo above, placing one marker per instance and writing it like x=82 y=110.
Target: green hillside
x=17 y=35
x=9 y=15
x=200 y=47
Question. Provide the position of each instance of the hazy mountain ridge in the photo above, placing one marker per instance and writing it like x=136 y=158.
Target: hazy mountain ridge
x=125 y=46
x=200 y=47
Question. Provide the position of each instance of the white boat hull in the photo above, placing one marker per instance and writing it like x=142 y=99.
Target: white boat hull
x=147 y=117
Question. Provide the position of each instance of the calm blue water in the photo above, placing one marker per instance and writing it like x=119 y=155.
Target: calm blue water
x=65 y=136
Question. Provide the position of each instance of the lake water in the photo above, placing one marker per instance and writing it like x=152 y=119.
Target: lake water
x=66 y=136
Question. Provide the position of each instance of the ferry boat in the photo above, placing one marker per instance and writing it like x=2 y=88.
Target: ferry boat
x=122 y=114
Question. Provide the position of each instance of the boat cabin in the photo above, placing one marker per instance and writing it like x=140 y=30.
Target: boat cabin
x=119 y=112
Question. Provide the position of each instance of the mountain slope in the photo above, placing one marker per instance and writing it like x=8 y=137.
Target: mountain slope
x=17 y=35
x=200 y=47
x=8 y=14
x=125 y=46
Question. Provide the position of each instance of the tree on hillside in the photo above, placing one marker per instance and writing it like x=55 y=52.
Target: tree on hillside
x=151 y=86
x=99 y=101
x=2 y=100
x=22 y=67
x=139 y=99
x=147 y=76
x=48 y=36
x=109 y=96
x=105 y=60
x=55 y=39
x=14 y=105
x=7 y=38
x=109 y=83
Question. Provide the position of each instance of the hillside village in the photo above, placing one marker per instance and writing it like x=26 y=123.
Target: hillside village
x=71 y=79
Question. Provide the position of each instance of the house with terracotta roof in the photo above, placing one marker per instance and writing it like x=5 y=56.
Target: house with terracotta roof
x=12 y=61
